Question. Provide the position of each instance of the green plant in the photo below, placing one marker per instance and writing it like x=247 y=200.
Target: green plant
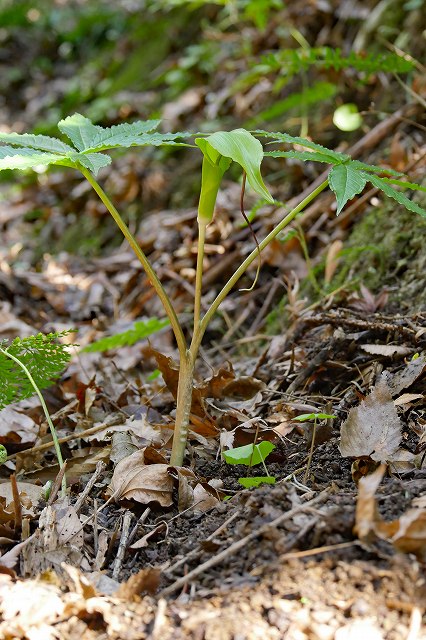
x=28 y=365
x=312 y=416
x=139 y=331
x=347 y=178
x=251 y=455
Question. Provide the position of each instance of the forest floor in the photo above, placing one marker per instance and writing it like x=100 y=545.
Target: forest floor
x=335 y=549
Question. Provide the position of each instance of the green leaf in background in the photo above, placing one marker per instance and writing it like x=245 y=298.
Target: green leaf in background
x=3 y=454
x=244 y=149
x=249 y=454
x=335 y=156
x=42 y=143
x=345 y=182
x=395 y=195
x=139 y=331
x=257 y=481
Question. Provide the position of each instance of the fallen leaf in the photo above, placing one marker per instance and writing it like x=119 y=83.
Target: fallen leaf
x=386 y=349
x=145 y=581
x=407 y=533
x=373 y=428
x=134 y=480
x=407 y=398
x=407 y=376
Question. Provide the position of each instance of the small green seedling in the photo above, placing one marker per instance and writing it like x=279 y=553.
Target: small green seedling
x=85 y=149
x=3 y=454
x=304 y=417
x=251 y=455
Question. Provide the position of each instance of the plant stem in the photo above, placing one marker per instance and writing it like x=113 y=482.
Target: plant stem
x=198 y=335
x=46 y=412
x=155 y=281
x=202 y=226
x=183 y=408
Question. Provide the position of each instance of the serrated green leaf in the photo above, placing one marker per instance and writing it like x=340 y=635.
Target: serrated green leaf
x=345 y=182
x=357 y=164
x=42 y=143
x=92 y=161
x=249 y=454
x=244 y=149
x=89 y=137
x=395 y=195
x=405 y=185
x=305 y=156
x=335 y=156
x=23 y=158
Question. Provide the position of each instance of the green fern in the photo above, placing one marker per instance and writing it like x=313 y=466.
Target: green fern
x=43 y=357
x=139 y=331
x=290 y=62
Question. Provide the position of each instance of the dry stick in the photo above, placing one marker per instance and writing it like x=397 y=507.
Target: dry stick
x=138 y=523
x=314 y=552
x=125 y=530
x=100 y=467
x=236 y=546
x=74 y=436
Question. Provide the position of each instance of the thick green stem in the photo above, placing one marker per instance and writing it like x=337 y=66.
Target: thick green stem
x=198 y=335
x=168 y=307
x=183 y=408
x=45 y=410
x=202 y=225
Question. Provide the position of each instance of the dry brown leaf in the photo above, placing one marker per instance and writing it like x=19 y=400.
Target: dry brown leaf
x=407 y=534
x=386 y=349
x=373 y=428
x=204 y=499
x=408 y=398
x=16 y=427
x=29 y=493
x=407 y=376
x=134 y=480
x=145 y=581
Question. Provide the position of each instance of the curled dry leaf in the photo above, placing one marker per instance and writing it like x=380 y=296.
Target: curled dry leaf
x=407 y=376
x=373 y=428
x=134 y=480
x=386 y=349
x=407 y=534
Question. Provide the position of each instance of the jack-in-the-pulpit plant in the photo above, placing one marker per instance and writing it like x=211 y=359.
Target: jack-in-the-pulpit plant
x=347 y=178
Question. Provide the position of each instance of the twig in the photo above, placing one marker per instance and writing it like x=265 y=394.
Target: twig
x=57 y=484
x=239 y=544
x=74 y=436
x=100 y=467
x=139 y=522
x=314 y=552
x=125 y=529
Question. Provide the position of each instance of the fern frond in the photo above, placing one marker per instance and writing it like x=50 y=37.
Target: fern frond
x=42 y=355
x=139 y=331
